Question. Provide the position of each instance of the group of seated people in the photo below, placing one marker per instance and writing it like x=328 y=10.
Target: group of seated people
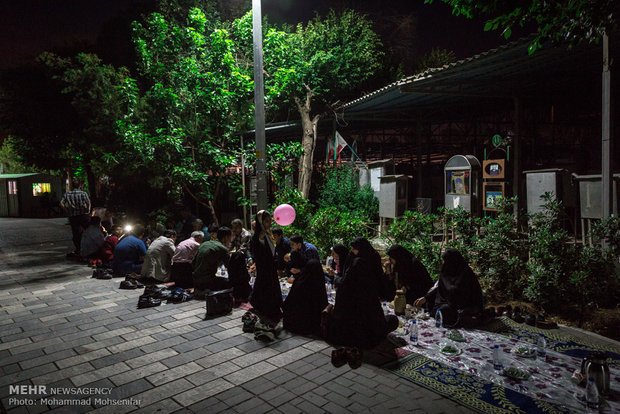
x=356 y=321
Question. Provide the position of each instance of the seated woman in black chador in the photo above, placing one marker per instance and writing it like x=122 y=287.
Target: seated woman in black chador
x=266 y=297
x=340 y=254
x=457 y=293
x=412 y=275
x=307 y=298
x=358 y=319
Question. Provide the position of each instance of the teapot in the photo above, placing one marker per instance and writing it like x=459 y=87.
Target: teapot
x=595 y=366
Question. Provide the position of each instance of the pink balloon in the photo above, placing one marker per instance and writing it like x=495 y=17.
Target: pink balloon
x=284 y=214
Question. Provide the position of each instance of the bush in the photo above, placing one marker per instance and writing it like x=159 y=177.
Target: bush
x=333 y=225
x=341 y=190
x=303 y=209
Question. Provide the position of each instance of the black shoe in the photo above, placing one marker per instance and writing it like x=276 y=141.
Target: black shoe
x=148 y=302
x=128 y=284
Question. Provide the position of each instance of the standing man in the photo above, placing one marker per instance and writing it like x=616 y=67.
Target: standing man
x=211 y=255
x=77 y=203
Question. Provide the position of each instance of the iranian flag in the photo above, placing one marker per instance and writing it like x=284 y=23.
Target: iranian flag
x=339 y=143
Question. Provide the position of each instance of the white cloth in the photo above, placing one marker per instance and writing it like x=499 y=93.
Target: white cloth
x=158 y=259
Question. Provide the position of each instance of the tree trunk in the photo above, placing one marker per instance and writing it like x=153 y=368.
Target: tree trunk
x=308 y=143
x=92 y=184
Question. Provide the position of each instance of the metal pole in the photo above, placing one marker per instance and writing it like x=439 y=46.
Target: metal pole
x=606 y=141
x=259 y=107
x=516 y=145
x=245 y=213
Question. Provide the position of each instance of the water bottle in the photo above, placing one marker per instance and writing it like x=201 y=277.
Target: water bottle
x=413 y=332
x=223 y=271
x=329 y=291
x=541 y=346
x=592 y=394
x=497 y=358
x=384 y=305
x=438 y=319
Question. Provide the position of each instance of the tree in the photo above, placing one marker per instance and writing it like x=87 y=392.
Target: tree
x=563 y=20
x=436 y=58
x=62 y=112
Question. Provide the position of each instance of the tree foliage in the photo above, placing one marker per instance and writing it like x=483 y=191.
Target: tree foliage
x=563 y=20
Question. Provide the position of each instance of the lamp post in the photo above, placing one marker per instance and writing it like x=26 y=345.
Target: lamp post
x=259 y=107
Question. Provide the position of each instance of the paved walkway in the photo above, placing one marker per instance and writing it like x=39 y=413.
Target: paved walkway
x=70 y=333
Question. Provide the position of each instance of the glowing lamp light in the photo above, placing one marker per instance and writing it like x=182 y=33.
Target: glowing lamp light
x=128 y=228
x=284 y=214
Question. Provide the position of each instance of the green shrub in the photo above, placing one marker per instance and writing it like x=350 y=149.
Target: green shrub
x=341 y=190
x=303 y=209
x=333 y=225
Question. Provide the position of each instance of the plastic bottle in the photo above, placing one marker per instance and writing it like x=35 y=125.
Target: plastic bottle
x=541 y=346
x=497 y=358
x=413 y=332
x=329 y=292
x=592 y=398
x=438 y=319
x=223 y=271
x=384 y=305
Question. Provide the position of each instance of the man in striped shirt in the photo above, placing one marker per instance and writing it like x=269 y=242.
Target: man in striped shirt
x=77 y=203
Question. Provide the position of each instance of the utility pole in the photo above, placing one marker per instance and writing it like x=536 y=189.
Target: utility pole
x=259 y=107
x=606 y=134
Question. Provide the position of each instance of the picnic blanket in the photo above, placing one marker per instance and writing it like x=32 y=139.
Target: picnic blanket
x=470 y=379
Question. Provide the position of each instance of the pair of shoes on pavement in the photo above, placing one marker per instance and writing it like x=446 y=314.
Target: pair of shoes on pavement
x=146 y=301
x=179 y=295
x=101 y=274
x=341 y=356
x=157 y=292
x=264 y=332
x=130 y=283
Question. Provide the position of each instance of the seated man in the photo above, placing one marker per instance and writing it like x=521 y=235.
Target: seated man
x=308 y=250
x=282 y=247
x=129 y=253
x=213 y=228
x=93 y=238
x=158 y=259
x=241 y=237
x=182 y=260
x=211 y=255
x=110 y=244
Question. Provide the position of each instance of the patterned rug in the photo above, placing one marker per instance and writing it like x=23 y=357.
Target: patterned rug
x=469 y=378
x=469 y=390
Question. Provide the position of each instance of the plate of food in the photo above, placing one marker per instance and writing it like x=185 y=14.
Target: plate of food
x=455 y=336
x=524 y=352
x=450 y=350
x=515 y=373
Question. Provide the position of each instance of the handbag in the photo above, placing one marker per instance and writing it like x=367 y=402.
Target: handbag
x=219 y=303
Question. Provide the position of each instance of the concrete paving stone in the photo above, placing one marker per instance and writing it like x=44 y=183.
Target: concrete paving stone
x=299 y=367
x=135 y=334
x=137 y=373
x=115 y=332
x=368 y=391
x=277 y=396
x=209 y=374
x=33 y=362
x=129 y=389
x=291 y=407
x=185 y=357
x=165 y=406
x=253 y=405
x=15 y=344
x=210 y=405
x=10 y=369
x=159 y=345
x=55 y=331
x=235 y=396
x=299 y=386
x=339 y=389
x=164 y=391
x=150 y=358
x=107 y=322
x=254 y=357
x=280 y=376
x=116 y=358
x=25 y=334
x=227 y=333
x=186 y=322
x=309 y=408
x=289 y=357
x=27 y=374
x=99 y=374
x=250 y=373
x=93 y=346
x=190 y=313
x=315 y=398
x=316 y=373
x=83 y=334
x=338 y=399
x=67 y=345
x=289 y=343
x=316 y=345
x=7 y=360
x=230 y=324
x=156 y=322
x=228 y=343
x=119 y=324
x=342 y=380
x=79 y=359
x=57 y=375
x=195 y=334
x=136 y=343
x=9 y=332
x=174 y=373
x=259 y=386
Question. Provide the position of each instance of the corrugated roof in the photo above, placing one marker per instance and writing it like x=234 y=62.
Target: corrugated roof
x=500 y=73
x=11 y=176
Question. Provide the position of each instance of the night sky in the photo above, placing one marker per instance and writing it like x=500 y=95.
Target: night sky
x=28 y=27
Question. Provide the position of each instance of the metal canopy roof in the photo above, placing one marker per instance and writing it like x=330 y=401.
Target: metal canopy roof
x=498 y=74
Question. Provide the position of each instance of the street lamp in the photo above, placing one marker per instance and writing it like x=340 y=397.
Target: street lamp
x=259 y=107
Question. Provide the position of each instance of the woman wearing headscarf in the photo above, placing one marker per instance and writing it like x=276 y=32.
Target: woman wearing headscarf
x=411 y=273
x=266 y=297
x=358 y=320
x=307 y=298
x=239 y=277
x=457 y=292
x=340 y=254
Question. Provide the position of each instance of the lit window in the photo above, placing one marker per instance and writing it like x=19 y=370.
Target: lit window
x=12 y=187
x=40 y=188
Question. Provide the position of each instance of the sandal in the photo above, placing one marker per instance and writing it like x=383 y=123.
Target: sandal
x=146 y=301
x=339 y=357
